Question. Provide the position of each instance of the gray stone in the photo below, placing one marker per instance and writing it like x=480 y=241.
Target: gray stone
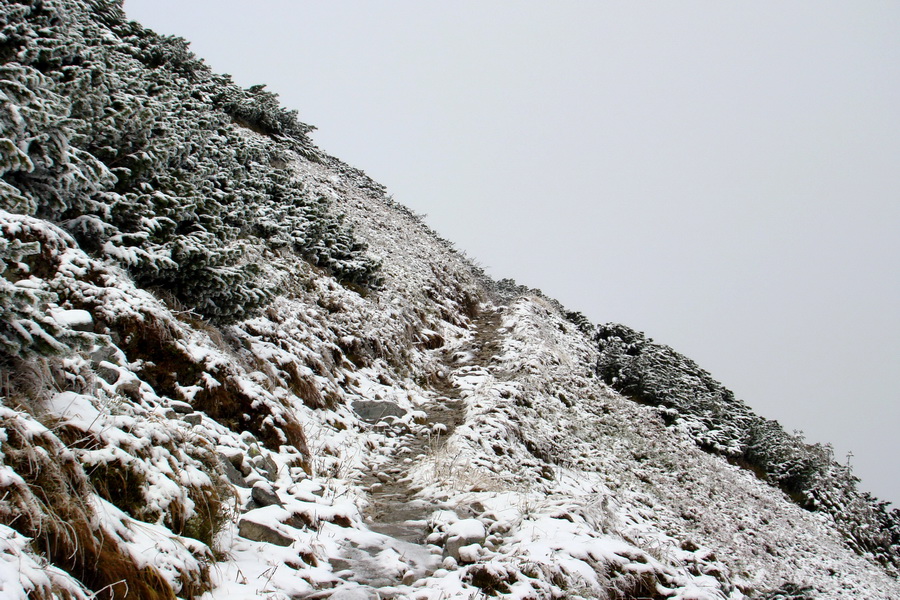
x=76 y=319
x=266 y=467
x=107 y=373
x=181 y=407
x=469 y=554
x=193 y=418
x=236 y=458
x=372 y=411
x=243 y=466
x=465 y=532
x=362 y=592
x=262 y=533
x=108 y=354
x=233 y=475
x=131 y=389
x=452 y=547
x=252 y=478
x=264 y=495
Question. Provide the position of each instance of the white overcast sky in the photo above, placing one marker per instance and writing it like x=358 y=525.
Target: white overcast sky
x=724 y=176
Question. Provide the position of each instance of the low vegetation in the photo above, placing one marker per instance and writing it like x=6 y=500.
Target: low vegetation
x=690 y=399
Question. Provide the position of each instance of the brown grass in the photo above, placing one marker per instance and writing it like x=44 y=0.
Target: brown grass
x=305 y=388
x=52 y=508
x=227 y=404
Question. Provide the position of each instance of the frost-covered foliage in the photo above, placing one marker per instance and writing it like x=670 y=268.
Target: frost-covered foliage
x=691 y=400
x=134 y=146
x=23 y=328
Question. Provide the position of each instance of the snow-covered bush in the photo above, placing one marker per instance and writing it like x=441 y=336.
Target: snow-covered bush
x=133 y=145
x=28 y=248
x=690 y=399
x=260 y=110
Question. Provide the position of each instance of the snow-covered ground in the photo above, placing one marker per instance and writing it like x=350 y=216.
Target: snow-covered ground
x=250 y=464
x=437 y=436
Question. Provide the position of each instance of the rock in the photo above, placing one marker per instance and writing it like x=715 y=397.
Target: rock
x=299 y=520
x=234 y=476
x=372 y=411
x=264 y=495
x=236 y=458
x=78 y=320
x=107 y=372
x=109 y=354
x=262 y=533
x=265 y=466
x=469 y=554
x=252 y=477
x=362 y=592
x=181 y=407
x=464 y=532
x=131 y=389
x=193 y=418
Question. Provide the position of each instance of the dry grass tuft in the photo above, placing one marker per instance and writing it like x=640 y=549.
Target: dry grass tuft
x=50 y=505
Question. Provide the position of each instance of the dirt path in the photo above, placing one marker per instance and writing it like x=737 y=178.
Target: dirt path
x=393 y=500
x=394 y=510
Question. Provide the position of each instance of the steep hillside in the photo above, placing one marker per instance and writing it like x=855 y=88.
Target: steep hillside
x=232 y=367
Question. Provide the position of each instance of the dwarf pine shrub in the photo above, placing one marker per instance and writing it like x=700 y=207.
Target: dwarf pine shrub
x=657 y=375
x=148 y=158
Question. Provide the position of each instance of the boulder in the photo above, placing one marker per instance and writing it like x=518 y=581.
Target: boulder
x=109 y=354
x=107 y=372
x=263 y=494
x=372 y=411
x=464 y=532
x=236 y=458
x=362 y=592
x=469 y=554
x=181 y=407
x=262 y=533
x=234 y=476
x=76 y=319
x=265 y=466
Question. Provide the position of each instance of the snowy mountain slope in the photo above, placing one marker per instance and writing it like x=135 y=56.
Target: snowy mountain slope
x=413 y=430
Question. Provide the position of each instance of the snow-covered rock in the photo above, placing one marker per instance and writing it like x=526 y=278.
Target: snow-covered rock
x=264 y=495
x=77 y=319
x=260 y=532
x=464 y=537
